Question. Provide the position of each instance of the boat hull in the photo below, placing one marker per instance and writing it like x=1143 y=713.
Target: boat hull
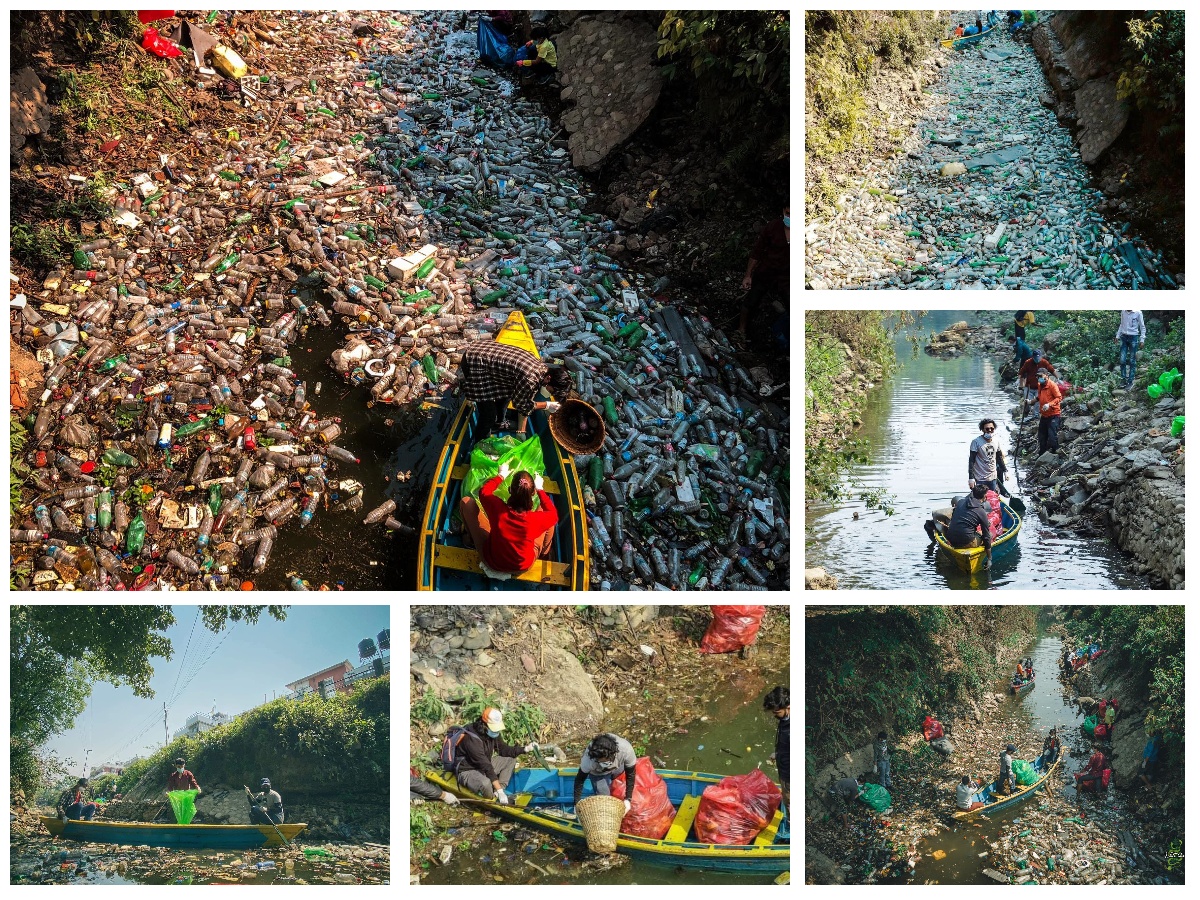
x=971 y=560
x=964 y=42
x=996 y=804
x=196 y=837
x=445 y=563
x=539 y=797
x=1018 y=688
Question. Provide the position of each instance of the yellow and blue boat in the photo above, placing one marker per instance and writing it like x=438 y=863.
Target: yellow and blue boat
x=444 y=563
x=192 y=837
x=971 y=559
x=993 y=802
x=963 y=43
x=543 y=800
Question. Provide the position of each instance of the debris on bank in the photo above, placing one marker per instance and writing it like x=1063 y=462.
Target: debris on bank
x=379 y=178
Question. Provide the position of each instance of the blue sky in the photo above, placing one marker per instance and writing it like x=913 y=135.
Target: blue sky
x=234 y=668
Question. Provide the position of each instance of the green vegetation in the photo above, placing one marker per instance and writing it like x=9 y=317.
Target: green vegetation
x=310 y=745
x=1152 y=73
x=523 y=723
x=430 y=709
x=844 y=51
x=18 y=470
x=1147 y=643
x=56 y=653
x=737 y=64
x=472 y=700
x=888 y=667
x=837 y=345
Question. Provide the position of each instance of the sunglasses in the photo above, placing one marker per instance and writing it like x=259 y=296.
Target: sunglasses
x=989 y=431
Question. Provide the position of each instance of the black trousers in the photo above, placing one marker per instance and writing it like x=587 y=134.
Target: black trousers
x=1048 y=433
x=488 y=414
x=258 y=817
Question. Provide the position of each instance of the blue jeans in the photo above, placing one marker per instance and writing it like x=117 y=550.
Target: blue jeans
x=1129 y=349
x=885 y=773
x=83 y=811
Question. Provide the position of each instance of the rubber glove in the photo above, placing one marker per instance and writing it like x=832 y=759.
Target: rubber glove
x=875 y=770
x=628 y=806
x=449 y=799
x=504 y=470
x=529 y=748
x=1045 y=407
x=553 y=406
x=538 y=481
x=502 y=797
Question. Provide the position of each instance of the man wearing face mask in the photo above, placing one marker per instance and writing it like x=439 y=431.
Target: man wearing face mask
x=181 y=779
x=769 y=267
x=605 y=757
x=1050 y=401
x=487 y=762
x=986 y=463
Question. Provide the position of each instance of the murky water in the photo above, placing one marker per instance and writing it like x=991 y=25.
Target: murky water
x=734 y=736
x=920 y=424
x=1044 y=706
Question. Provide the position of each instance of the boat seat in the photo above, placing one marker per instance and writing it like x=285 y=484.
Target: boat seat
x=549 y=485
x=942 y=516
x=522 y=800
x=684 y=818
x=766 y=837
x=464 y=559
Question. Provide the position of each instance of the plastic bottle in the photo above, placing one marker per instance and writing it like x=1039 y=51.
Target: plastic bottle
x=116 y=457
x=381 y=512
x=177 y=559
x=135 y=536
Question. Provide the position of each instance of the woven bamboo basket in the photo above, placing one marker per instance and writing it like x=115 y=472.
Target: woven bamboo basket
x=569 y=442
x=600 y=816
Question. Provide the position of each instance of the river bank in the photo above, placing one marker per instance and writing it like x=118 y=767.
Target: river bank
x=1055 y=836
x=568 y=674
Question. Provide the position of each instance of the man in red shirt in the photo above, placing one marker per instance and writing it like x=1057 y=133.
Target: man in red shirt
x=1089 y=779
x=1029 y=370
x=769 y=267
x=181 y=779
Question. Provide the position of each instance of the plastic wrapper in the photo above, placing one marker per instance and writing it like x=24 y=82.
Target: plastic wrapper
x=732 y=628
x=876 y=796
x=652 y=813
x=737 y=809
x=491 y=453
x=1090 y=723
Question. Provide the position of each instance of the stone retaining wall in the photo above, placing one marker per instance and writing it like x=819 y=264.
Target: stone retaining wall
x=1148 y=520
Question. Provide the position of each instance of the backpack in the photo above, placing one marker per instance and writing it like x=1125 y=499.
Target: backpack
x=451 y=754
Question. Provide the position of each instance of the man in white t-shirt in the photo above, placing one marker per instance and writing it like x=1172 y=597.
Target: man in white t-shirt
x=986 y=463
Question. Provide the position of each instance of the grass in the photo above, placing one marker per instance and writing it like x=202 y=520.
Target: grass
x=472 y=700
x=523 y=723
x=430 y=709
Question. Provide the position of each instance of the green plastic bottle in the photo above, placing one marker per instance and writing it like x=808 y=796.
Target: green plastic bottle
x=192 y=427
x=214 y=497
x=502 y=235
x=596 y=472
x=696 y=573
x=426 y=267
x=610 y=412
x=115 y=457
x=109 y=364
x=493 y=297
x=374 y=282
x=431 y=369
x=754 y=464
x=135 y=535
x=418 y=296
x=226 y=263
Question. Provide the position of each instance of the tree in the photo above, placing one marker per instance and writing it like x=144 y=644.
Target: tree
x=58 y=652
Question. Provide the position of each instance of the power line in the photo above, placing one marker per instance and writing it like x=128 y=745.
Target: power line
x=183 y=659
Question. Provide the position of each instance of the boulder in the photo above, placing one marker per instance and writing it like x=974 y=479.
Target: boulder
x=1102 y=117
x=819 y=868
x=563 y=690
x=816 y=579
x=477 y=638
x=29 y=110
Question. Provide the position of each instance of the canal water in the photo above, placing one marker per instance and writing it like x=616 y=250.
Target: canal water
x=732 y=736
x=920 y=424
x=1044 y=706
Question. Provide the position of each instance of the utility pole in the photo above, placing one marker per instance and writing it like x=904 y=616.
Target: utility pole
x=85 y=758
x=166 y=736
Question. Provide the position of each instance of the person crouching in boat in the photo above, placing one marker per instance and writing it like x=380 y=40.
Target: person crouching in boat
x=266 y=807
x=1051 y=748
x=494 y=375
x=1008 y=780
x=76 y=802
x=512 y=536
x=967 y=789
x=958 y=32
x=181 y=779
x=969 y=525
x=604 y=758
x=487 y=763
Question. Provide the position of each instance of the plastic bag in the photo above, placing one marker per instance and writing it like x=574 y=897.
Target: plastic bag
x=652 y=812
x=1101 y=731
x=491 y=453
x=932 y=729
x=876 y=796
x=183 y=804
x=732 y=628
x=1024 y=772
x=158 y=45
x=1105 y=777
x=76 y=434
x=737 y=809
x=1089 y=724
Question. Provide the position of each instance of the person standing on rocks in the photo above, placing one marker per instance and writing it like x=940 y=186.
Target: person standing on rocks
x=1149 y=762
x=1022 y=318
x=1021 y=351
x=883 y=761
x=1131 y=335
x=769 y=267
x=985 y=465
x=1028 y=374
x=1050 y=402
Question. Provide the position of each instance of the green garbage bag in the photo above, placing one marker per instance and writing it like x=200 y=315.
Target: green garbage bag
x=183 y=804
x=876 y=797
x=1024 y=772
x=1090 y=723
x=491 y=453
x=1177 y=425
x=1167 y=379
x=1155 y=391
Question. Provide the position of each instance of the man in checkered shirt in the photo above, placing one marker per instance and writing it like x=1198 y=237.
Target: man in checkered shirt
x=494 y=375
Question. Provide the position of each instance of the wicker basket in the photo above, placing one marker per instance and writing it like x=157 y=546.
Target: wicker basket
x=570 y=442
x=601 y=815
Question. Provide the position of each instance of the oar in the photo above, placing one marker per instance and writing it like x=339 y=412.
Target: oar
x=286 y=842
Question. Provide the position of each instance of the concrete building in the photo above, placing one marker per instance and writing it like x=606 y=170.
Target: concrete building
x=334 y=679
x=198 y=723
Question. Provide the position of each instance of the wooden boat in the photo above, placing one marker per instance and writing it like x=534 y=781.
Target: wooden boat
x=542 y=800
x=971 y=560
x=194 y=837
x=995 y=802
x=1024 y=685
x=444 y=563
x=963 y=42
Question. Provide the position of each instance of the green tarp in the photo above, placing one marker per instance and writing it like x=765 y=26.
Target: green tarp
x=183 y=804
x=876 y=797
x=1024 y=772
x=491 y=453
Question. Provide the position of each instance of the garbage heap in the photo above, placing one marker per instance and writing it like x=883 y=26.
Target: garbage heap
x=414 y=194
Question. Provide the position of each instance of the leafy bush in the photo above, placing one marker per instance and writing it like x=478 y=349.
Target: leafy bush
x=523 y=723
x=1153 y=70
x=472 y=700
x=430 y=709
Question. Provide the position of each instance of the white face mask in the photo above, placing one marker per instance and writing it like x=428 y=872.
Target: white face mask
x=988 y=437
x=180 y=771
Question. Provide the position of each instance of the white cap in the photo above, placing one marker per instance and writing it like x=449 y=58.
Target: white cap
x=493 y=719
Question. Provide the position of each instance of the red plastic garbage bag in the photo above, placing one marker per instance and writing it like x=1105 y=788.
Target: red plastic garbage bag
x=652 y=812
x=1100 y=732
x=993 y=500
x=732 y=628
x=1103 y=707
x=932 y=729
x=1105 y=777
x=158 y=45
x=737 y=809
x=146 y=16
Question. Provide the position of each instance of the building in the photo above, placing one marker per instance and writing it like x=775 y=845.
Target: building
x=335 y=679
x=106 y=769
x=198 y=723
